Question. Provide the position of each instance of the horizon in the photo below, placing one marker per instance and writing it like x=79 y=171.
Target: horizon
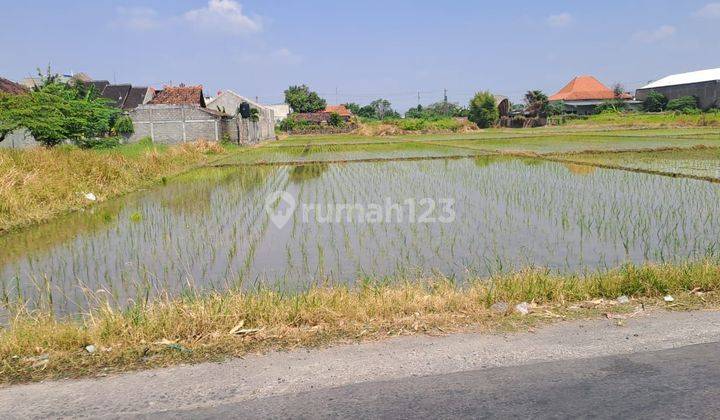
x=358 y=53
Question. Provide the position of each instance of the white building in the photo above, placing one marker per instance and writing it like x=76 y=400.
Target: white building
x=281 y=111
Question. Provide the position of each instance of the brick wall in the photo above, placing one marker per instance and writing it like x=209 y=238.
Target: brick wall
x=708 y=93
x=172 y=124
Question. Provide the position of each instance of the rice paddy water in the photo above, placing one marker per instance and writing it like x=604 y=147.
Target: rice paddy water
x=209 y=229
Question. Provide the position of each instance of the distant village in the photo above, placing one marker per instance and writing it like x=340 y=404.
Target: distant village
x=186 y=113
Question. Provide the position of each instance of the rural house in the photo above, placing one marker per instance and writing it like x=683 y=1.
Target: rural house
x=703 y=85
x=229 y=102
x=179 y=114
x=123 y=96
x=583 y=94
x=281 y=111
x=323 y=117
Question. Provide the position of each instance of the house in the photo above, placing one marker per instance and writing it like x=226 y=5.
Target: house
x=323 y=117
x=36 y=81
x=12 y=88
x=281 y=111
x=116 y=94
x=584 y=93
x=703 y=84
x=229 y=102
x=179 y=114
x=180 y=95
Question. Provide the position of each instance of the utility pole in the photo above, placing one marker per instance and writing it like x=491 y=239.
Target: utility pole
x=336 y=96
x=445 y=102
x=418 y=99
x=445 y=95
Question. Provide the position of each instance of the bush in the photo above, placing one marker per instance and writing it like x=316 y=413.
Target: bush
x=655 y=102
x=412 y=124
x=290 y=123
x=684 y=104
x=97 y=143
x=483 y=111
x=123 y=126
x=335 y=120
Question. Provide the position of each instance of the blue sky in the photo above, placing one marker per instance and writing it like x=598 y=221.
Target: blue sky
x=364 y=50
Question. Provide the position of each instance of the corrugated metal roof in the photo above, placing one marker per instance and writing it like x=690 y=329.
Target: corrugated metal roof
x=686 y=78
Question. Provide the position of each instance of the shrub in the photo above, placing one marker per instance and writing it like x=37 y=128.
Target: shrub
x=123 y=126
x=483 y=111
x=655 y=102
x=97 y=143
x=335 y=120
x=412 y=124
x=683 y=104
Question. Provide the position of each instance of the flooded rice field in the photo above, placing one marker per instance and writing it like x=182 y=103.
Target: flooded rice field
x=216 y=229
x=698 y=162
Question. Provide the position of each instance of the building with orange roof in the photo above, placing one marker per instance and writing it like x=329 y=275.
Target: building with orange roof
x=584 y=93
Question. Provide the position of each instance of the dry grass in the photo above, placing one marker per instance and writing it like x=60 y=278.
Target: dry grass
x=38 y=346
x=38 y=184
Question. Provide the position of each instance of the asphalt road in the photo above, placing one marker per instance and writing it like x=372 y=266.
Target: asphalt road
x=678 y=383
x=656 y=364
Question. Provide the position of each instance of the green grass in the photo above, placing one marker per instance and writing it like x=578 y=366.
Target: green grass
x=649 y=119
x=39 y=184
x=193 y=328
x=695 y=162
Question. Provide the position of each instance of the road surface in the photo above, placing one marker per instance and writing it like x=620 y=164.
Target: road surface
x=658 y=364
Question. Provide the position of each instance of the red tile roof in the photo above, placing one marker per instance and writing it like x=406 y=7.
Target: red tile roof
x=7 y=86
x=338 y=109
x=180 y=95
x=585 y=88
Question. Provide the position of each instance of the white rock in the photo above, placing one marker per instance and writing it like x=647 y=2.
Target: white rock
x=90 y=196
x=669 y=298
x=623 y=300
x=522 y=308
x=90 y=349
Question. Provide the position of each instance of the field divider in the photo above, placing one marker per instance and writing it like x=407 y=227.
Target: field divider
x=361 y=160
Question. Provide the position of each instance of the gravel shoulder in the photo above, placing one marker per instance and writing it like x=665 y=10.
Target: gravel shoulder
x=211 y=385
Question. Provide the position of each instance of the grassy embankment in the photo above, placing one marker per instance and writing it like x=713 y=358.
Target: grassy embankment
x=640 y=119
x=195 y=328
x=38 y=184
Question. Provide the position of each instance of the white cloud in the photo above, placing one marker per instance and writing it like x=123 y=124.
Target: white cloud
x=224 y=16
x=660 y=34
x=136 y=18
x=709 y=11
x=560 y=20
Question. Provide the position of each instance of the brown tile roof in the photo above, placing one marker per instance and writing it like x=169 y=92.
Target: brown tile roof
x=180 y=95
x=7 y=86
x=584 y=88
x=338 y=109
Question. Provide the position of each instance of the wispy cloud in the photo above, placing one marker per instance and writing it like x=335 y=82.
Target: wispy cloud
x=224 y=16
x=709 y=11
x=656 y=35
x=136 y=18
x=559 y=20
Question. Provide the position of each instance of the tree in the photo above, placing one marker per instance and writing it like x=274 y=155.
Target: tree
x=366 y=111
x=56 y=111
x=483 y=110
x=302 y=99
x=352 y=107
x=655 y=102
x=536 y=103
x=383 y=109
x=618 y=90
x=556 y=108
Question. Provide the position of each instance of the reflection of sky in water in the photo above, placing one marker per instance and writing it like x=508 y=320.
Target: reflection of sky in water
x=210 y=229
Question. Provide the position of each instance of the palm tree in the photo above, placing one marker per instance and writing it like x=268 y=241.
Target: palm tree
x=537 y=103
